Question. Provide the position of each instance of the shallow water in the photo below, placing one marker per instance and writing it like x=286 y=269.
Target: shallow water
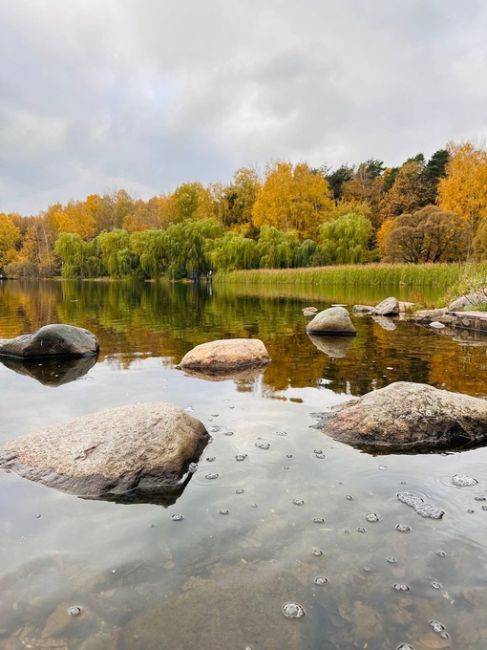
x=253 y=539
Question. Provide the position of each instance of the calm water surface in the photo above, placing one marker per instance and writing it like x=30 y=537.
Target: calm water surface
x=295 y=528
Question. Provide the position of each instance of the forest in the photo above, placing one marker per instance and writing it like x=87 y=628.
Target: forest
x=292 y=216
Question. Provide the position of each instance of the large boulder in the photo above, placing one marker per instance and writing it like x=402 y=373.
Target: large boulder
x=388 y=307
x=407 y=416
x=226 y=354
x=469 y=300
x=143 y=448
x=334 y=321
x=52 y=340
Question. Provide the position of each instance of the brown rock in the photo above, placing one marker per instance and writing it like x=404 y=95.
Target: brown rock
x=332 y=322
x=226 y=354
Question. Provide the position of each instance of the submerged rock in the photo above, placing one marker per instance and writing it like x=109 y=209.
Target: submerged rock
x=309 y=311
x=51 y=340
x=141 y=448
x=388 y=307
x=473 y=299
x=226 y=354
x=51 y=371
x=407 y=416
x=334 y=321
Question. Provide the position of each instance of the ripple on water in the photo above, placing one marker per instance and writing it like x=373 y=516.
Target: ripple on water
x=293 y=610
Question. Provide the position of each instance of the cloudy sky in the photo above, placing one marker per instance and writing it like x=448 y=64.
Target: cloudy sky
x=144 y=94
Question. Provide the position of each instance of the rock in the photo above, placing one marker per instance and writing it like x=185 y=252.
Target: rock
x=333 y=346
x=51 y=340
x=334 y=321
x=141 y=449
x=473 y=299
x=226 y=354
x=437 y=325
x=363 y=309
x=426 y=316
x=388 y=307
x=407 y=416
x=309 y=311
x=51 y=371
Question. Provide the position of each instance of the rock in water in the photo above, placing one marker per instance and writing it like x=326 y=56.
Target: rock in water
x=309 y=311
x=51 y=340
x=143 y=447
x=363 y=309
x=388 y=307
x=469 y=300
x=226 y=354
x=334 y=321
x=51 y=371
x=407 y=416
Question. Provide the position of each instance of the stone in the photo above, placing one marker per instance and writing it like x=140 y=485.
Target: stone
x=140 y=449
x=334 y=321
x=469 y=300
x=309 y=311
x=437 y=325
x=51 y=340
x=407 y=416
x=51 y=371
x=226 y=354
x=388 y=307
x=363 y=309
x=426 y=316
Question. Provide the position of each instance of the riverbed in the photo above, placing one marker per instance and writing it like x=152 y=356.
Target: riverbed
x=276 y=512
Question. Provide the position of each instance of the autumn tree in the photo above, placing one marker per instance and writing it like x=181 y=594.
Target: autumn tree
x=9 y=238
x=292 y=199
x=237 y=199
x=409 y=191
x=192 y=201
x=480 y=242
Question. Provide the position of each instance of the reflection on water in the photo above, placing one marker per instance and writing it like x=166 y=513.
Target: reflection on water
x=51 y=372
x=146 y=577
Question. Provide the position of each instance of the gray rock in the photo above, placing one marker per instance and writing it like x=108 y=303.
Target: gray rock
x=407 y=416
x=388 y=307
x=363 y=309
x=51 y=340
x=427 y=316
x=142 y=447
x=334 y=321
x=473 y=299
x=437 y=325
x=309 y=311
x=226 y=354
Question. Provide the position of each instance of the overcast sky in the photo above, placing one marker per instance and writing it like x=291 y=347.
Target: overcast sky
x=145 y=94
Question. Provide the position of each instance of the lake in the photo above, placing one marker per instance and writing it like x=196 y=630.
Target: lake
x=287 y=521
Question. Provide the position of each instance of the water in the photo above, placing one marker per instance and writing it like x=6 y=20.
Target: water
x=181 y=575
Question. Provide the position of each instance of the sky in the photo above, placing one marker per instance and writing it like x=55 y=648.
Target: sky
x=147 y=94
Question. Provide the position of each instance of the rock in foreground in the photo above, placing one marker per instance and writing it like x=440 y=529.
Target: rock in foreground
x=408 y=417
x=143 y=447
x=388 y=307
x=332 y=322
x=226 y=354
x=52 y=340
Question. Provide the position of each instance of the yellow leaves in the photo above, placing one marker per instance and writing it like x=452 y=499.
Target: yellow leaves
x=292 y=198
x=77 y=218
x=9 y=237
x=464 y=189
x=383 y=234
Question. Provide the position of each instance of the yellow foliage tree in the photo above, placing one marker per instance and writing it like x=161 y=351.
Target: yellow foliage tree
x=9 y=237
x=78 y=217
x=383 y=234
x=293 y=198
x=464 y=188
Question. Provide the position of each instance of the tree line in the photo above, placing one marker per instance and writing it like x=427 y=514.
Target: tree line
x=293 y=216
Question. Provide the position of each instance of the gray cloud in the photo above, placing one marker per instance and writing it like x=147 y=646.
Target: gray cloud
x=146 y=94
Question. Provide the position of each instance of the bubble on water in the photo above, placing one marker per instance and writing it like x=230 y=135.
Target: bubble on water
x=320 y=456
x=436 y=585
x=391 y=559
x=320 y=580
x=318 y=552
x=293 y=610
x=152 y=525
x=286 y=467
x=403 y=528
x=38 y=516
x=224 y=511
x=429 y=511
x=177 y=517
x=462 y=480
x=318 y=520
x=210 y=459
x=239 y=491
x=75 y=610
x=298 y=502
x=484 y=507
x=437 y=627
x=211 y=476
x=254 y=505
x=409 y=498
x=405 y=646
x=349 y=497
x=228 y=433
x=262 y=444
x=382 y=468
x=289 y=456
x=372 y=517
x=214 y=429
x=401 y=586
x=470 y=511
x=317 y=451
x=441 y=554
x=361 y=529
x=240 y=457
x=479 y=498
x=281 y=433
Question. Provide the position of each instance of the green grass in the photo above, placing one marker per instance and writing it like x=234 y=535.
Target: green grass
x=413 y=275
